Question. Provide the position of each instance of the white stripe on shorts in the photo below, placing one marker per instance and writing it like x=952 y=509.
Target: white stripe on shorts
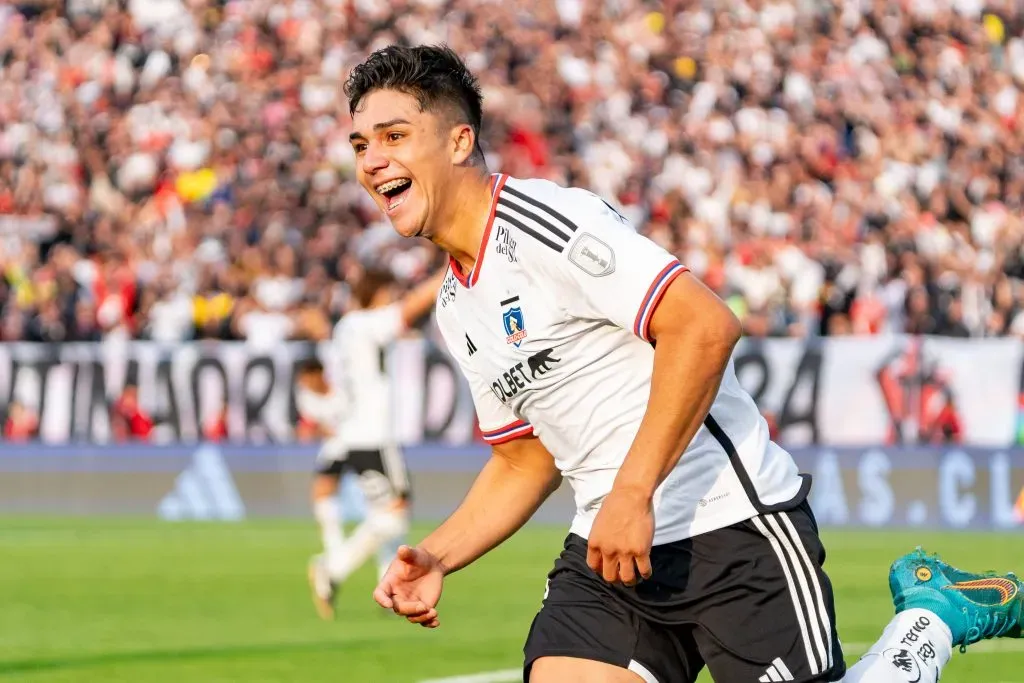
x=794 y=594
x=814 y=622
x=826 y=622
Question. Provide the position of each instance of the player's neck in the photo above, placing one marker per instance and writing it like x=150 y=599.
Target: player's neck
x=465 y=217
x=379 y=300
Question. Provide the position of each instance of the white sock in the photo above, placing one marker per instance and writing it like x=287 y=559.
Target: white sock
x=359 y=547
x=379 y=528
x=328 y=516
x=386 y=554
x=915 y=646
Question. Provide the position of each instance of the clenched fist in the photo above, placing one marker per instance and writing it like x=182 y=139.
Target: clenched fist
x=619 y=547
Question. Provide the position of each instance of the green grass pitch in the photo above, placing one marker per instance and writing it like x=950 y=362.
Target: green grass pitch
x=140 y=600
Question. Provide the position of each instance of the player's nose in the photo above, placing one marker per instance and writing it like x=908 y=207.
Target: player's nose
x=374 y=159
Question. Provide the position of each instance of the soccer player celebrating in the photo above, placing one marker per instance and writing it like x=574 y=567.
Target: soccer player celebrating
x=359 y=405
x=594 y=355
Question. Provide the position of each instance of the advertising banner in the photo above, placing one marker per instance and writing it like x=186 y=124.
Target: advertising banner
x=886 y=390
x=838 y=392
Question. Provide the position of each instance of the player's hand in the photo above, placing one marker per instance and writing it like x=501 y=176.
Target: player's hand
x=619 y=548
x=411 y=586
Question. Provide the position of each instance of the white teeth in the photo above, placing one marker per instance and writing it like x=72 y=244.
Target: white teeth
x=392 y=184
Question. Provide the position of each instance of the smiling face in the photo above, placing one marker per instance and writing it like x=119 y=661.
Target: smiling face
x=407 y=157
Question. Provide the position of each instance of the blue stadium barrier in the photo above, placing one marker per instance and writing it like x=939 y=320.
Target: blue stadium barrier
x=874 y=486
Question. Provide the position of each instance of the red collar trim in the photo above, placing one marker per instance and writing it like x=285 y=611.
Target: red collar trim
x=468 y=281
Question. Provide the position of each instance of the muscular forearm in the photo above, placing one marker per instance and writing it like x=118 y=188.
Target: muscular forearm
x=503 y=497
x=687 y=373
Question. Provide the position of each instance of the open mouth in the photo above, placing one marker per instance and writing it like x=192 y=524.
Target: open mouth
x=394 y=192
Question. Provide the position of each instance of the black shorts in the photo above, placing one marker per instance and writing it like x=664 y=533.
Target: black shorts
x=382 y=473
x=750 y=601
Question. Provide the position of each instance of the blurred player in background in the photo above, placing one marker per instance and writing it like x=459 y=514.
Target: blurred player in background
x=593 y=355
x=321 y=412
x=354 y=409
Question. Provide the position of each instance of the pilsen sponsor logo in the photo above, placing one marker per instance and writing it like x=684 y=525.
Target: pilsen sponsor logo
x=505 y=244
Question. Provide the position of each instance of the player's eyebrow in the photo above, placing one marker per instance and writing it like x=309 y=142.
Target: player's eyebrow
x=378 y=126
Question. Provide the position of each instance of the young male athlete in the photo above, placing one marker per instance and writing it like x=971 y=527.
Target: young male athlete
x=595 y=356
x=359 y=402
x=321 y=410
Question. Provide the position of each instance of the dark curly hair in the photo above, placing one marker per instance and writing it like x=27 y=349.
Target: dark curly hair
x=434 y=74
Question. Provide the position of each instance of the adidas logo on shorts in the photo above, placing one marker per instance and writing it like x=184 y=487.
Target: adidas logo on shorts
x=776 y=672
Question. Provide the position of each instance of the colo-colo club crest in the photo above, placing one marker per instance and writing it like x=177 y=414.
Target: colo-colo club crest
x=512 y=318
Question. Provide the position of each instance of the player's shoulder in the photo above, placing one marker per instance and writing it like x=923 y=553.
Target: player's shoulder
x=361 y=319
x=555 y=215
x=352 y=319
x=559 y=223
x=569 y=206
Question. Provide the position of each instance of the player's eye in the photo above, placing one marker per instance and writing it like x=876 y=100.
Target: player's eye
x=394 y=137
x=359 y=147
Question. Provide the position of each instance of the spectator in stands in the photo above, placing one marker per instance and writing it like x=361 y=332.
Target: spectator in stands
x=175 y=170
x=947 y=426
x=21 y=423
x=215 y=429
x=129 y=422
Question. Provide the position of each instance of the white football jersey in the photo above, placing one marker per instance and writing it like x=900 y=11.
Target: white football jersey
x=551 y=329
x=359 y=374
x=328 y=412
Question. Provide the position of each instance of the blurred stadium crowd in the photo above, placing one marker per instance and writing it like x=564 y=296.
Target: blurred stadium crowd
x=177 y=169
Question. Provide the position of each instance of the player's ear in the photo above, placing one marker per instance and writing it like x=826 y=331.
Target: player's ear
x=463 y=141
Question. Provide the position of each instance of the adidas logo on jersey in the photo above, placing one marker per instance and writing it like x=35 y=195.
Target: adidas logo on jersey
x=777 y=671
x=205 y=490
x=470 y=346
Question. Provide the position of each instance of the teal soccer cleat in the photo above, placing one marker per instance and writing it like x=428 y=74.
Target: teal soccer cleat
x=974 y=606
